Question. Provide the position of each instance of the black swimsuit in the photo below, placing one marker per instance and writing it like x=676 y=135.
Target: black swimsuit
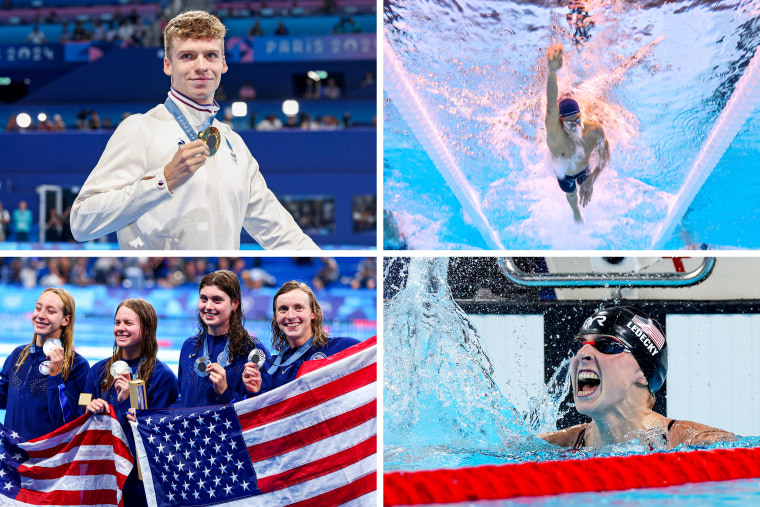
x=580 y=442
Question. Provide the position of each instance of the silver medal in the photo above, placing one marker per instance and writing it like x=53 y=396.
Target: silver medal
x=119 y=367
x=45 y=367
x=201 y=366
x=257 y=357
x=50 y=344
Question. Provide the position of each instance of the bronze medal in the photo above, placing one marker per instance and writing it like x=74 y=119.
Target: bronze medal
x=212 y=138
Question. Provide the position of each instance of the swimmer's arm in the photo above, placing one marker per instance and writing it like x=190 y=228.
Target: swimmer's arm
x=121 y=187
x=691 y=433
x=554 y=62
x=563 y=438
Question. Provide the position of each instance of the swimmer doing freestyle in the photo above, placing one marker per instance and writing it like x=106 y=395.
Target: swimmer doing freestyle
x=572 y=140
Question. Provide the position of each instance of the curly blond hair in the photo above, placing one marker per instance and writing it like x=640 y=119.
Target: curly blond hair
x=193 y=25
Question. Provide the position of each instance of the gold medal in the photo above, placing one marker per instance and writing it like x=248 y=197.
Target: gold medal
x=212 y=138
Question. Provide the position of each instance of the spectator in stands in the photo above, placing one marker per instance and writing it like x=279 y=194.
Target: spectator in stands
x=369 y=79
x=99 y=34
x=347 y=25
x=270 y=122
x=330 y=122
x=327 y=274
x=65 y=34
x=145 y=186
x=58 y=122
x=5 y=223
x=53 y=228
x=330 y=7
x=296 y=10
x=256 y=278
x=36 y=36
x=247 y=91
x=332 y=90
x=256 y=30
x=22 y=222
x=281 y=29
x=366 y=274
x=125 y=34
x=307 y=123
x=79 y=32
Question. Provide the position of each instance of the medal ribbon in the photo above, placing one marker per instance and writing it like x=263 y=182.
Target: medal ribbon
x=136 y=374
x=184 y=123
x=205 y=348
x=298 y=353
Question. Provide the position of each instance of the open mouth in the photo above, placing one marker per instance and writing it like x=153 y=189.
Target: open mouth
x=588 y=383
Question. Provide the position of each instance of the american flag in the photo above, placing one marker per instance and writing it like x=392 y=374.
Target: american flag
x=310 y=443
x=651 y=331
x=85 y=462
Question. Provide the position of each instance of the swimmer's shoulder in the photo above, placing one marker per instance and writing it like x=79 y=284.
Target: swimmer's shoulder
x=564 y=437
x=693 y=433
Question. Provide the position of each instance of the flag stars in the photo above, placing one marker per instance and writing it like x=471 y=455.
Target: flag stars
x=227 y=489
x=177 y=445
x=186 y=485
x=200 y=420
x=206 y=471
x=18 y=456
x=184 y=423
x=217 y=447
x=228 y=424
x=170 y=496
x=201 y=482
x=217 y=480
x=222 y=436
x=8 y=486
x=161 y=421
x=169 y=456
x=167 y=437
x=151 y=439
x=239 y=464
x=160 y=448
x=212 y=460
x=149 y=420
x=228 y=456
x=216 y=417
x=211 y=493
x=206 y=440
x=14 y=435
x=244 y=485
x=211 y=428
x=196 y=495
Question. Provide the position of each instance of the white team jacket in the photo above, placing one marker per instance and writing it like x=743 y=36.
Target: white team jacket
x=127 y=192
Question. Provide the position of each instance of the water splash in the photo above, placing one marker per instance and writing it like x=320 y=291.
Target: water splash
x=440 y=399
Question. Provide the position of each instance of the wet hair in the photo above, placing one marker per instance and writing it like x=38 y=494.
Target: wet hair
x=148 y=343
x=241 y=342
x=279 y=340
x=193 y=25
x=67 y=333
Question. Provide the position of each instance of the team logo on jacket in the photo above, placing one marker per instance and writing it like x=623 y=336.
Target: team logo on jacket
x=317 y=355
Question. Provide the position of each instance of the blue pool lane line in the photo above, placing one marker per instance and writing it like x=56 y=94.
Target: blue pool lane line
x=739 y=107
x=408 y=103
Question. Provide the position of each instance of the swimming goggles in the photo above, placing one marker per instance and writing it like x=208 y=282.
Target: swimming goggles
x=604 y=344
x=569 y=123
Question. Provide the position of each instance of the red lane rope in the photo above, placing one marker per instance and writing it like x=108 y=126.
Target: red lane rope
x=493 y=482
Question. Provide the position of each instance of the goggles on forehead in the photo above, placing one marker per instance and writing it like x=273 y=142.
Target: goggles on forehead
x=604 y=344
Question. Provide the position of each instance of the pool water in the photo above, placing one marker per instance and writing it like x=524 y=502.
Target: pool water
x=443 y=410
x=478 y=70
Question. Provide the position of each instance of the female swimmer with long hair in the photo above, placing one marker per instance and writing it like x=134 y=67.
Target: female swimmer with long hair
x=211 y=362
x=134 y=358
x=40 y=383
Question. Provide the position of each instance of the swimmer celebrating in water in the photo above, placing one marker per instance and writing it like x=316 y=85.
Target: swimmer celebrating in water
x=571 y=140
x=621 y=359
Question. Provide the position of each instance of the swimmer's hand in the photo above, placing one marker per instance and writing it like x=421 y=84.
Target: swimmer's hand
x=554 y=57
x=188 y=159
x=585 y=191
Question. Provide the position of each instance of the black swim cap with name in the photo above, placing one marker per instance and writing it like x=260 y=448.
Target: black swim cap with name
x=641 y=333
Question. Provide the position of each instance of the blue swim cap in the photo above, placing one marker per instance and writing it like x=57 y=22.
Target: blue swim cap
x=568 y=107
x=640 y=332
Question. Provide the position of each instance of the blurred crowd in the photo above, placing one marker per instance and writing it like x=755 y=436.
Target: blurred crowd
x=169 y=272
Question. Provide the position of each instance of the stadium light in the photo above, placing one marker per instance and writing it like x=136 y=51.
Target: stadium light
x=290 y=107
x=316 y=75
x=5 y=81
x=23 y=120
x=42 y=117
x=239 y=109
